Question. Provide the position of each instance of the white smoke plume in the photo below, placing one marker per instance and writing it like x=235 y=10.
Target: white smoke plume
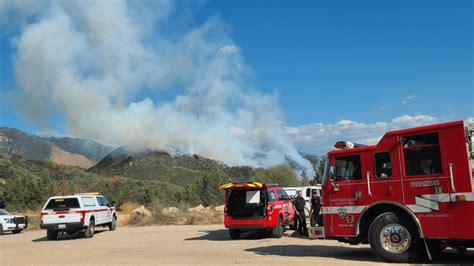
x=108 y=67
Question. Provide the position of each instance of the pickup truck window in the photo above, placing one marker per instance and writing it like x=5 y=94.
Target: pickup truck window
x=62 y=203
x=271 y=196
x=102 y=201
x=282 y=194
x=88 y=201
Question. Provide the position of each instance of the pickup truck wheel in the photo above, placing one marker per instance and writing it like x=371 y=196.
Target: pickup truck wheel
x=90 y=230
x=234 y=233
x=113 y=224
x=52 y=235
x=394 y=238
x=277 y=232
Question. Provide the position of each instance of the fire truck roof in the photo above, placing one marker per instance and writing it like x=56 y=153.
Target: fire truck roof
x=412 y=130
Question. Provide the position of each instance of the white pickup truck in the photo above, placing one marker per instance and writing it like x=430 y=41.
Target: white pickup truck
x=14 y=223
x=75 y=213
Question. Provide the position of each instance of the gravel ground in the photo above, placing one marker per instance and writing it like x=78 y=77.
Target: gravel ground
x=193 y=244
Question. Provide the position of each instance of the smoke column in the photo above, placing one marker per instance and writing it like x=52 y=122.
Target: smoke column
x=108 y=67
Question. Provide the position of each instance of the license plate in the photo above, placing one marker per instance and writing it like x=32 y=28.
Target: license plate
x=61 y=226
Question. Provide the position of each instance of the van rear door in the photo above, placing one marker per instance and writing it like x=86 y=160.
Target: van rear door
x=246 y=203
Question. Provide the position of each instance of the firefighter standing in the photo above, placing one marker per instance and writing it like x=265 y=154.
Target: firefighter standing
x=300 y=206
x=315 y=208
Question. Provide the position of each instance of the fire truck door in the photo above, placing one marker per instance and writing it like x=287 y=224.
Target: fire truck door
x=426 y=183
x=385 y=180
x=347 y=194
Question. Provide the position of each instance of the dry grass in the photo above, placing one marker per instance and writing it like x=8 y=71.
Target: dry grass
x=128 y=207
x=209 y=215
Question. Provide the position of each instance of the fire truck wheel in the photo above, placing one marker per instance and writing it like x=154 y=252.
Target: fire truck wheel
x=90 y=229
x=394 y=238
x=52 y=235
x=277 y=232
x=234 y=233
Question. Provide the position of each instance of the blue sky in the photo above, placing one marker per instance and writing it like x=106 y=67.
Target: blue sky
x=333 y=60
x=364 y=61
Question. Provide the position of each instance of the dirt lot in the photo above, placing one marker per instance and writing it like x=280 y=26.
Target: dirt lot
x=203 y=244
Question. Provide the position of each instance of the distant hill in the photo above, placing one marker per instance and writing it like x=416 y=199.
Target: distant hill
x=92 y=150
x=154 y=165
x=33 y=168
x=68 y=151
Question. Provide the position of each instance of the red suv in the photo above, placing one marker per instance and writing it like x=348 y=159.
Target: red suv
x=256 y=206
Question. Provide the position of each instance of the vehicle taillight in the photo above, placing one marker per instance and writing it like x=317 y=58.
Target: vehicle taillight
x=82 y=215
x=43 y=214
x=270 y=209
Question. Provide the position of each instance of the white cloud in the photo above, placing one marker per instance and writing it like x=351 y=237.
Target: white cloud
x=407 y=99
x=237 y=130
x=320 y=138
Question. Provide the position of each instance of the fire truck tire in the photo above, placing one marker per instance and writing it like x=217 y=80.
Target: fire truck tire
x=52 y=234
x=90 y=230
x=234 y=233
x=394 y=238
x=277 y=232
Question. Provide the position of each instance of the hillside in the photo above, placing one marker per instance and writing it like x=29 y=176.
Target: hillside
x=92 y=150
x=151 y=178
x=27 y=184
x=68 y=151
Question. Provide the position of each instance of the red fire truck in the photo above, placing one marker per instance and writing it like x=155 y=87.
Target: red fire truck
x=409 y=197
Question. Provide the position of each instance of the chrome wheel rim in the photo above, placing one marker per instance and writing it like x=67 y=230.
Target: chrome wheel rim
x=395 y=238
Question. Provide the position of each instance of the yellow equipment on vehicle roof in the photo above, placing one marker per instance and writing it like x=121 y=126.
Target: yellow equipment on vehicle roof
x=242 y=185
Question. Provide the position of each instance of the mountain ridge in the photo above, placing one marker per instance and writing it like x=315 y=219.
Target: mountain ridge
x=65 y=150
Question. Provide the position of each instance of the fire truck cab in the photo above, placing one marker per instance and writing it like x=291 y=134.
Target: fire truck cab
x=409 y=197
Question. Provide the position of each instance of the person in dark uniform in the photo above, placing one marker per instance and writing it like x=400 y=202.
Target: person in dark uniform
x=315 y=208
x=300 y=206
